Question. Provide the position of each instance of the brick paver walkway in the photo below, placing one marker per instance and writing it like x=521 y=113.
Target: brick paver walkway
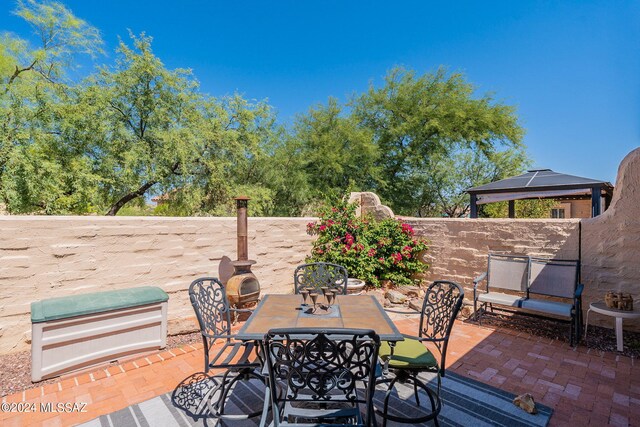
x=584 y=387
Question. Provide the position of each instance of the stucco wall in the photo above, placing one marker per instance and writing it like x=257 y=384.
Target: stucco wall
x=458 y=248
x=611 y=242
x=43 y=257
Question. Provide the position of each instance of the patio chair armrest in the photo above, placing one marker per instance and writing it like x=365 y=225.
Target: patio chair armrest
x=426 y=339
x=479 y=279
x=579 y=290
x=241 y=310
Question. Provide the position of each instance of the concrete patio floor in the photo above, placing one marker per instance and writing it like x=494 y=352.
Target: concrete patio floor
x=583 y=386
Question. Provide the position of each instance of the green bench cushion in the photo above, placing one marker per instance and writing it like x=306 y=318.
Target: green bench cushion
x=409 y=353
x=97 y=302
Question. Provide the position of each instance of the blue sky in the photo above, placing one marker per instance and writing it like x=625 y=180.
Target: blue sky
x=572 y=68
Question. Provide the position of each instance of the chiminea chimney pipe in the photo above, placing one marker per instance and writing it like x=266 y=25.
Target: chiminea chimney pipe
x=242 y=227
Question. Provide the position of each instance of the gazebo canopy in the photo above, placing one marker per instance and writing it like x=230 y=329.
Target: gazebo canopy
x=541 y=184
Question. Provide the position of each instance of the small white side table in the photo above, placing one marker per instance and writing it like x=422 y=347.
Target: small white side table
x=601 y=307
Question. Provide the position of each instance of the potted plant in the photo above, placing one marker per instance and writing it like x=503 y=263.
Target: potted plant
x=370 y=250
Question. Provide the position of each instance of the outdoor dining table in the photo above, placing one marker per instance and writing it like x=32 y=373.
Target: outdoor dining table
x=348 y=311
x=288 y=311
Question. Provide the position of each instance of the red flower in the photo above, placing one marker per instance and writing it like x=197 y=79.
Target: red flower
x=396 y=257
x=371 y=252
x=322 y=227
x=348 y=238
x=407 y=229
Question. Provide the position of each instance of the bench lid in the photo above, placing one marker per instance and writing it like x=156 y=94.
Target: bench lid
x=97 y=302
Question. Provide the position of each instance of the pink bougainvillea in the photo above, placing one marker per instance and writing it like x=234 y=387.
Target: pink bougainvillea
x=369 y=249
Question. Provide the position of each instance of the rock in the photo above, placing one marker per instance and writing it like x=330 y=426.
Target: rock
x=395 y=297
x=466 y=312
x=410 y=291
x=416 y=304
x=386 y=303
x=526 y=402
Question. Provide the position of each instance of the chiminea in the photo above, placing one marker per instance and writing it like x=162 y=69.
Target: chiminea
x=243 y=287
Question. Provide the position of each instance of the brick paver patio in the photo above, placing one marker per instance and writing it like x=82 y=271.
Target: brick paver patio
x=585 y=387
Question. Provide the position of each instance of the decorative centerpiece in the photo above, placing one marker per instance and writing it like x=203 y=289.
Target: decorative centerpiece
x=318 y=308
x=619 y=301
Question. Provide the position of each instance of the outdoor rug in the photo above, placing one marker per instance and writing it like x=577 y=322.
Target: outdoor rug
x=465 y=403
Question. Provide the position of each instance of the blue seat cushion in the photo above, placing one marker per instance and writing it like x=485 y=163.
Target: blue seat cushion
x=550 y=307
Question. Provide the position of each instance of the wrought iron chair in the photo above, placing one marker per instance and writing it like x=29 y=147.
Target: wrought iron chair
x=318 y=371
x=209 y=301
x=410 y=357
x=320 y=274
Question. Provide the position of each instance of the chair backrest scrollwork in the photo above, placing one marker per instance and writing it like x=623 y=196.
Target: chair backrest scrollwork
x=442 y=302
x=322 y=366
x=209 y=301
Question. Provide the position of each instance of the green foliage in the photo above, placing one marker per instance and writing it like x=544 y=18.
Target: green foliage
x=137 y=210
x=370 y=250
x=444 y=187
x=135 y=128
x=41 y=170
x=536 y=208
x=416 y=118
x=337 y=154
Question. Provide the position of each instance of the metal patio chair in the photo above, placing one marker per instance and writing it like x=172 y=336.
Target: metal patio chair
x=316 y=372
x=410 y=357
x=320 y=274
x=240 y=360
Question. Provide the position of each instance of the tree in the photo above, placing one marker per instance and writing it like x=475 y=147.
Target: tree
x=414 y=119
x=40 y=170
x=450 y=175
x=337 y=154
x=532 y=208
x=153 y=131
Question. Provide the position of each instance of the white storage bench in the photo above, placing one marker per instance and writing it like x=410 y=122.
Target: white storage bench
x=77 y=331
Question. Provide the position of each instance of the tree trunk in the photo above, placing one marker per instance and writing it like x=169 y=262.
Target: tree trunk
x=128 y=197
x=138 y=193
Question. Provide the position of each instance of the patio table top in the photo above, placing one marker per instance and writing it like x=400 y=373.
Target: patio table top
x=348 y=311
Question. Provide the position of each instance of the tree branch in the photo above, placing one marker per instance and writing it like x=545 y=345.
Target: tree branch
x=135 y=194
x=130 y=196
x=124 y=116
x=17 y=72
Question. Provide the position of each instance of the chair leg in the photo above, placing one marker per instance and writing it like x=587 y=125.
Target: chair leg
x=415 y=393
x=226 y=385
x=434 y=398
x=572 y=327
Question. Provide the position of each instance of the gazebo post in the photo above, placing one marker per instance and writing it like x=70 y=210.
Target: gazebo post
x=607 y=201
x=512 y=208
x=474 y=206
x=596 y=195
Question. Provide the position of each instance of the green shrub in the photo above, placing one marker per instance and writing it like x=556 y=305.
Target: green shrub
x=370 y=250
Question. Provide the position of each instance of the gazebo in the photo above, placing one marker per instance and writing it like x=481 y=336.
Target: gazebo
x=542 y=184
